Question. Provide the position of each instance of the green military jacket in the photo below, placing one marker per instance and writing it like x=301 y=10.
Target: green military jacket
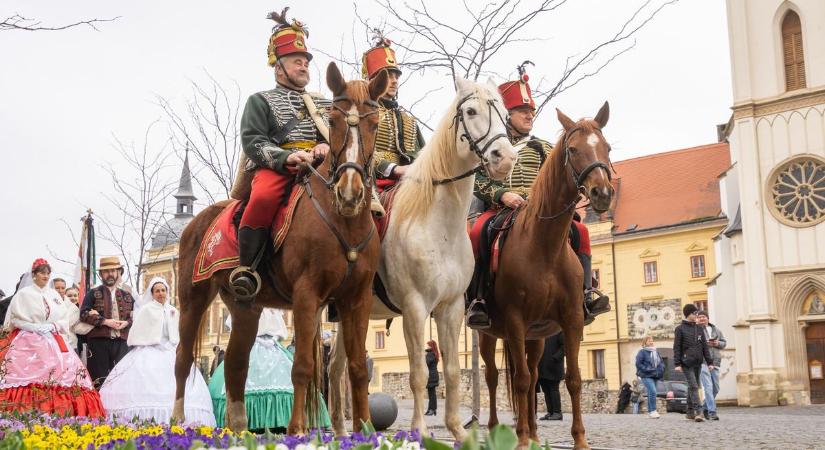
x=398 y=139
x=532 y=152
x=274 y=119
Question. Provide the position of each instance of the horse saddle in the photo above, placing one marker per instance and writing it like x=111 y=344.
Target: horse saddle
x=488 y=236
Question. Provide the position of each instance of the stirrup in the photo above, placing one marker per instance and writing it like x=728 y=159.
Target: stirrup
x=244 y=283
x=477 y=324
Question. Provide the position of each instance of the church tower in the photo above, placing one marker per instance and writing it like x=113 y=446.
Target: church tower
x=775 y=197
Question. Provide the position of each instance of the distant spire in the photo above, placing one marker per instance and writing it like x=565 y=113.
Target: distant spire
x=185 y=196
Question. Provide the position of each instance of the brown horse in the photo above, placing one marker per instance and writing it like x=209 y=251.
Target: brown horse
x=330 y=253
x=538 y=288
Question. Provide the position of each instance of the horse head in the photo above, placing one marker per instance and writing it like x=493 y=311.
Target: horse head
x=588 y=155
x=480 y=121
x=353 y=122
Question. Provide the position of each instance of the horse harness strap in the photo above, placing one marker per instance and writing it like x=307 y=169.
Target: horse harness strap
x=464 y=175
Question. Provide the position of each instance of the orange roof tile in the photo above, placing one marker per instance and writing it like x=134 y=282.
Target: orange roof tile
x=669 y=188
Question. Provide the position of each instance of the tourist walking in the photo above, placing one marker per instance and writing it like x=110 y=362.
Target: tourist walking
x=142 y=384
x=710 y=378
x=40 y=371
x=690 y=349
x=649 y=368
x=111 y=319
x=432 y=357
x=551 y=372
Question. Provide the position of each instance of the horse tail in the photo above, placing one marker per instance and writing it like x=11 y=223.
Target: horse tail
x=508 y=369
x=313 y=408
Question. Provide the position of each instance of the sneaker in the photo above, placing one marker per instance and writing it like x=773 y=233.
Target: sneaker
x=690 y=415
x=713 y=416
x=699 y=419
x=654 y=415
x=555 y=416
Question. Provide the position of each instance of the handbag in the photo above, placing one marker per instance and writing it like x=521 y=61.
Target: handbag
x=81 y=328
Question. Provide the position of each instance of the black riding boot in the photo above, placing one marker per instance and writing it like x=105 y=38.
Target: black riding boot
x=593 y=308
x=477 y=317
x=244 y=281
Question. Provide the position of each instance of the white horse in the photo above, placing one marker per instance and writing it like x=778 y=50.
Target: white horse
x=426 y=256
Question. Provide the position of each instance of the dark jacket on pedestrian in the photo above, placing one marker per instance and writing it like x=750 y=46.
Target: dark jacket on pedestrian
x=715 y=352
x=649 y=365
x=690 y=347
x=100 y=299
x=432 y=367
x=551 y=366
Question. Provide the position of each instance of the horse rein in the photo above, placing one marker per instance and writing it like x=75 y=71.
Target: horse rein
x=474 y=147
x=578 y=177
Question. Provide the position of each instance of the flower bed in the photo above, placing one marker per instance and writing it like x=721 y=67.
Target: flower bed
x=42 y=431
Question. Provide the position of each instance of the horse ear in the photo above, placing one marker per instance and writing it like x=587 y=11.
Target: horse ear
x=460 y=84
x=566 y=122
x=335 y=81
x=603 y=115
x=378 y=85
x=492 y=84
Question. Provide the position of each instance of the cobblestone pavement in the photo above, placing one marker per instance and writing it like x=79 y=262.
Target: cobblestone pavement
x=738 y=428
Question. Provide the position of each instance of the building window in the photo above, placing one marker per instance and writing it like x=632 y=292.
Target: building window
x=792 y=52
x=797 y=191
x=208 y=324
x=702 y=305
x=597 y=278
x=379 y=340
x=697 y=266
x=651 y=272
x=598 y=364
x=224 y=315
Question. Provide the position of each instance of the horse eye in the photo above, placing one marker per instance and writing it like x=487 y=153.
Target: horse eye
x=609 y=148
x=471 y=112
x=573 y=149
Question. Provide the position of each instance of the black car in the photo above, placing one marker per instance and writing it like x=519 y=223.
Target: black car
x=674 y=393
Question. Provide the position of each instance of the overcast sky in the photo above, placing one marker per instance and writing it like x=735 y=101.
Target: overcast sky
x=64 y=95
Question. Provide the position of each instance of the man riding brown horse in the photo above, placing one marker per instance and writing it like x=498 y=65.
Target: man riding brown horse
x=281 y=129
x=399 y=138
x=513 y=192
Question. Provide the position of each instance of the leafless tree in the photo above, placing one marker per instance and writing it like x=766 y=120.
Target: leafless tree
x=466 y=46
x=138 y=195
x=20 y=23
x=207 y=123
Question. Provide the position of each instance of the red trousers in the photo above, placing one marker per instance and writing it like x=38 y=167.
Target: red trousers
x=269 y=189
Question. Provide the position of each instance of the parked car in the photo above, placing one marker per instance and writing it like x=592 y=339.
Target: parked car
x=674 y=393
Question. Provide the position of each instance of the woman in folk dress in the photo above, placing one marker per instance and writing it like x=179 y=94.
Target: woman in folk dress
x=142 y=384
x=40 y=370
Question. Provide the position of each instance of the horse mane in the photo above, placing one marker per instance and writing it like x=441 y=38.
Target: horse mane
x=438 y=160
x=542 y=189
x=358 y=91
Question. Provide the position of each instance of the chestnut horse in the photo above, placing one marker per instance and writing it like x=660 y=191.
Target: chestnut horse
x=427 y=258
x=538 y=287
x=330 y=253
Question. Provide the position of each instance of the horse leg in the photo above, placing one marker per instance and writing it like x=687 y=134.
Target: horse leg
x=307 y=319
x=194 y=302
x=535 y=349
x=520 y=384
x=572 y=328
x=337 y=366
x=487 y=349
x=355 y=321
x=449 y=318
x=236 y=363
x=415 y=316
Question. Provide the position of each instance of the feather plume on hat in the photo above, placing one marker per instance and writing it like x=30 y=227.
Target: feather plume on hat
x=282 y=22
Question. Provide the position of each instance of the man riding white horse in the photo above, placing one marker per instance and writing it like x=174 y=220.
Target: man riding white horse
x=399 y=139
x=513 y=192
x=279 y=133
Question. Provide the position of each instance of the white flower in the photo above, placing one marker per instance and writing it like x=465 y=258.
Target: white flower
x=281 y=447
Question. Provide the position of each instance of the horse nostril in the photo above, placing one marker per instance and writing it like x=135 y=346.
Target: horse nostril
x=496 y=153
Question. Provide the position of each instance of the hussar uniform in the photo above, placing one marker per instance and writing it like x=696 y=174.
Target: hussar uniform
x=275 y=123
x=398 y=138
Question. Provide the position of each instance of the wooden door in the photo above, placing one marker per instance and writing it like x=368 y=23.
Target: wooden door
x=815 y=343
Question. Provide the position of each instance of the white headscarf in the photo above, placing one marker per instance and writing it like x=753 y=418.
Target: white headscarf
x=147 y=294
x=151 y=318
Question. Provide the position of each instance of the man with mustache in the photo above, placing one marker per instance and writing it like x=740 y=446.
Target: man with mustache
x=109 y=309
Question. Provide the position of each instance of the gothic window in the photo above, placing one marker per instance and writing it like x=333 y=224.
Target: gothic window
x=796 y=191
x=792 y=52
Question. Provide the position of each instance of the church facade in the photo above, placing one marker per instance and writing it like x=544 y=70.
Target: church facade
x=769 y=295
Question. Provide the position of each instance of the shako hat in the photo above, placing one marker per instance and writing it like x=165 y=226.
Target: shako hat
x=517 y=93
x=380 y=56
x=288 y=38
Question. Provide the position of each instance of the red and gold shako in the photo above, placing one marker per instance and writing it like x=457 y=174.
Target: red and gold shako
x=380 y=57
x=517 y=93
x=287 y=38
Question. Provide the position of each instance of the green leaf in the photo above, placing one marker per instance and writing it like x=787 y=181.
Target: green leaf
x=535 y=446
x=471 y=441
x=363 y=447
x=249 y=442
x=502 y=437
x=432 y=444
x=367 y=429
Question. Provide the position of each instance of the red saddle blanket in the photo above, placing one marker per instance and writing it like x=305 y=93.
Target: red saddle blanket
x=488 y=243
x=219 y=247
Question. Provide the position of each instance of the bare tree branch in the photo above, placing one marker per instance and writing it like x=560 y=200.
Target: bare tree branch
x=20 y=23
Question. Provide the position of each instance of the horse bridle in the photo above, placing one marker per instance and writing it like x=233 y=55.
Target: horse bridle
x=336 y=170
x=578 y=177
x=474 y=143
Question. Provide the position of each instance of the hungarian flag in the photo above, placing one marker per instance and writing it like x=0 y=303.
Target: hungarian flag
x=85 y=269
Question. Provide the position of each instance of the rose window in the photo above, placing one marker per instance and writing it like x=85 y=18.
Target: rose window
x=797 y=192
